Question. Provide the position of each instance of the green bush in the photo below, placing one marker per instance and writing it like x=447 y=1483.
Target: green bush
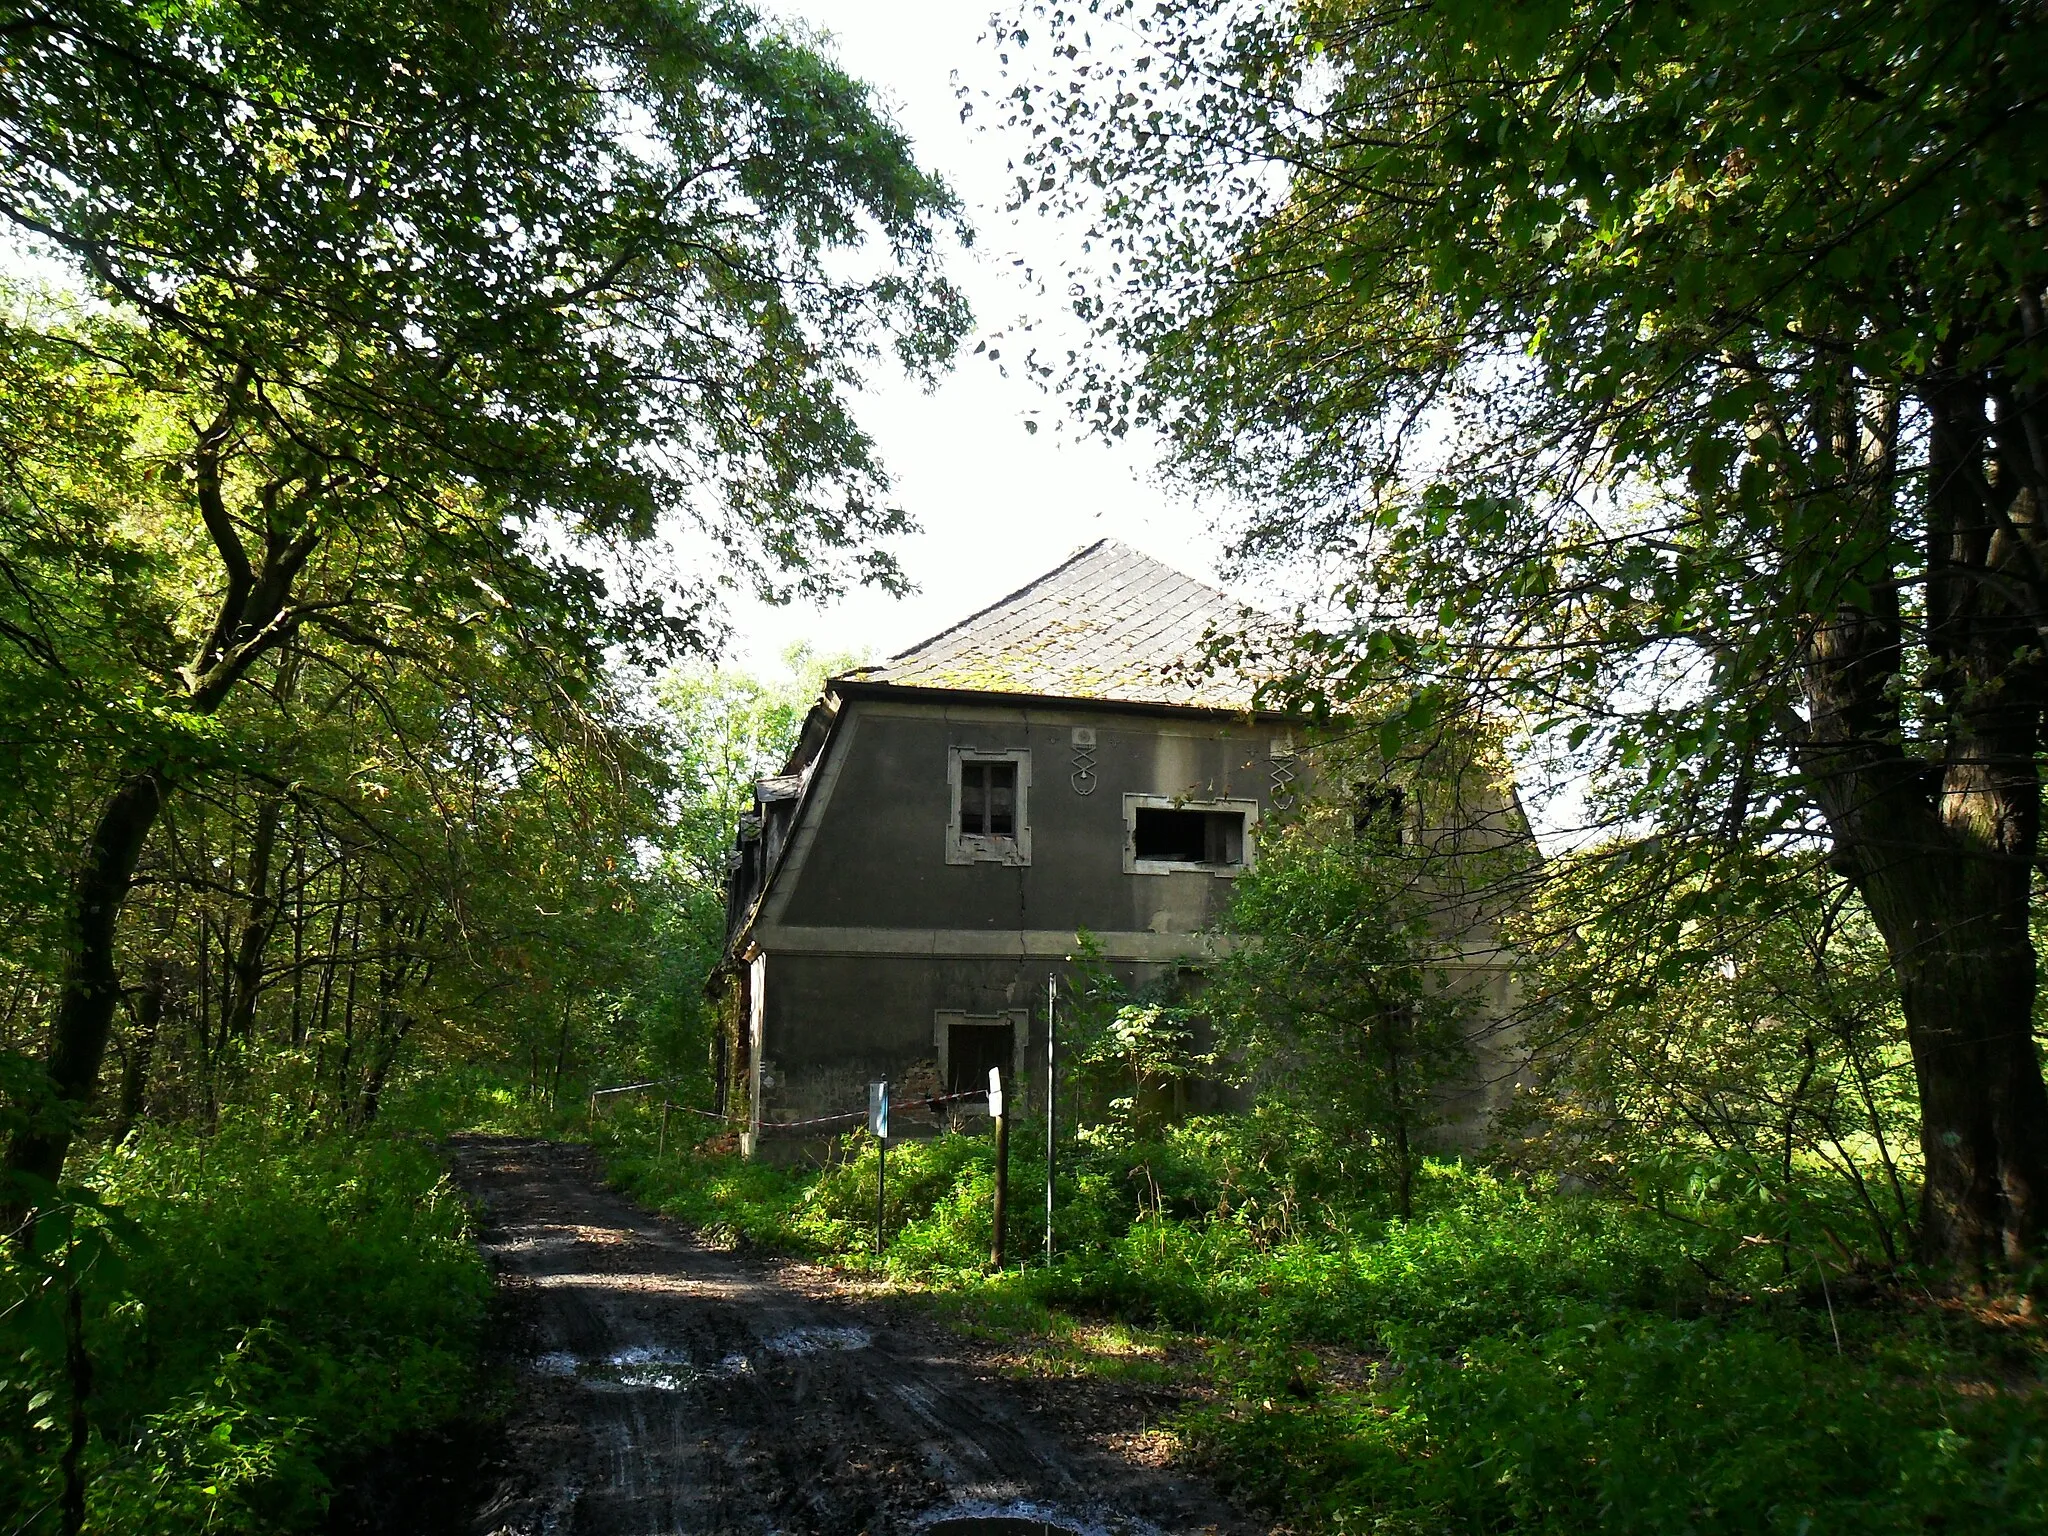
x=283 y=1308
x=1634 y=1424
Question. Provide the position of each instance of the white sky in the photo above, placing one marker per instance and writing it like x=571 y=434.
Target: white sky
x=996 y=505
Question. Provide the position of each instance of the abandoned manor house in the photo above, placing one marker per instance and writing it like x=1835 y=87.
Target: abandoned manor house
x=952 y=818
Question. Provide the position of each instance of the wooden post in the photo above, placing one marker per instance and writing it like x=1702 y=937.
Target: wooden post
x=998 y=1109
x=661 y=1136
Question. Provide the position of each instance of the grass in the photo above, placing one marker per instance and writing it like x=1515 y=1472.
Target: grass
x=1514 y=1359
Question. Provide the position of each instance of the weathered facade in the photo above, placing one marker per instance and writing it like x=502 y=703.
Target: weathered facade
x=952 y=818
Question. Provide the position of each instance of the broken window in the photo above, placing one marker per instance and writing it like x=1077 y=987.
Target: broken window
x=988 y=799
x=1165 y=835
x=971 y=1049
x=991 y=816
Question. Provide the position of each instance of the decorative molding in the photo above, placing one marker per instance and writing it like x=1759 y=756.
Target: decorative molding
x=1084 y=777
x=1286 y=768
x=991 y=944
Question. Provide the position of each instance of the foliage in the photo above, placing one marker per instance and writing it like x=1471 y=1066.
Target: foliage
x=1337 y=995
x=1635 y=1424
x=1760 y=1049
x=730 y=728
x=1130 y=1052
x=276 y=1309
x=1666 y=379
x=371 y=436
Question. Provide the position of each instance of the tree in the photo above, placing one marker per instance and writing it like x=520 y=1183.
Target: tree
x=1341 y=1000
x=1753 y=1055
x=1670 y=377
x=433 y=317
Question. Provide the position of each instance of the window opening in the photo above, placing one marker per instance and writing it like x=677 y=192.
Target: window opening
x=1164 y=836
x=1379 y=811
x=988 y=799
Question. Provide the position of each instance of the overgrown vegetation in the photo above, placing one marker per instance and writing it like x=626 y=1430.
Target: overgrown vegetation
x=1514 y=1357
x=226 y=1321
x=1663 y=387
x=391 y=352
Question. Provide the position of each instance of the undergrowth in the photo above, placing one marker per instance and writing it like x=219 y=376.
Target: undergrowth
x=1515 y=1358
x=255 y=1312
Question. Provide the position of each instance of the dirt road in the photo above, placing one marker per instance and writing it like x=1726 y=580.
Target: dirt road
x=667 y=1387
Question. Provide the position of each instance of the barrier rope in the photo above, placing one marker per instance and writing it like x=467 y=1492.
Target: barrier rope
x=931 y=1102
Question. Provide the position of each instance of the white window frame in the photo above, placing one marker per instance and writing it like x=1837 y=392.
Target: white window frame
x=1133 y=865
x=973 y=848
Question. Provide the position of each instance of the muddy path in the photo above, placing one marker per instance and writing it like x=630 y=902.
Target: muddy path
x=664 y=1386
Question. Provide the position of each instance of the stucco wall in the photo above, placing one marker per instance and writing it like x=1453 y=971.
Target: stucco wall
x=878 y=854
x=870 y=932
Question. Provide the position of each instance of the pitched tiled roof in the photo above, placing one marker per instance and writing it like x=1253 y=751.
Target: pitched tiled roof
x=1109 y=624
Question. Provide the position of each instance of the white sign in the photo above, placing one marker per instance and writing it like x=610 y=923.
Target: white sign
x=878 y=1109
x=995 y=1091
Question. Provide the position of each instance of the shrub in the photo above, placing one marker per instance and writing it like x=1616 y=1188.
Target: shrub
x=285 y=1307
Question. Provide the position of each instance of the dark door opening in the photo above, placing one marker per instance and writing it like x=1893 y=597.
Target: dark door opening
x=971 y=1049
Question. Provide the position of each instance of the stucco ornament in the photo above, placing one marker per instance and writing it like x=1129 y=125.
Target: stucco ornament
x=1084 y=777
x=1286 y=766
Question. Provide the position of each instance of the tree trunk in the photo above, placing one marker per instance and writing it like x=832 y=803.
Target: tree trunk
x=245 y=977
x=380 y=1070
x=1943 y=850
x=91 y=986
x=1966 y=972
x=149 y=1012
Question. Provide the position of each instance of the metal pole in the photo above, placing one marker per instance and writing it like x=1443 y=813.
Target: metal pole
x=1002 y=1173
x=878 y=1126
x=1052 y=1100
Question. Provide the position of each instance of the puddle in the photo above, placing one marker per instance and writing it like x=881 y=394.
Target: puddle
x=655 y=1368
x=813 y=1341
x=662 y=1369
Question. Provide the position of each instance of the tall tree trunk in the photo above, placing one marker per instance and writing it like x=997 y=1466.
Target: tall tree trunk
x=149 y=1012
x=1944 y=851
x=252 y=620
x=245 y=975
x=380 y=1069
x=1956 y=926
x=91 y=985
